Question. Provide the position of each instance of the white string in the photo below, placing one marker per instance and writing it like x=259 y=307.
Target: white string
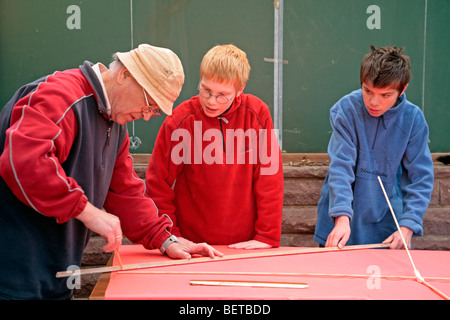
x=424 y=55
x=132 y=42
x=416 y=272
x=131 y=24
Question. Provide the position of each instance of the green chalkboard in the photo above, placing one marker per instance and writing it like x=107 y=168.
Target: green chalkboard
x=323 y=44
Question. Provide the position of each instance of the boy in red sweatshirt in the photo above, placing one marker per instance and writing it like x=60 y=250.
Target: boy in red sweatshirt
x=216 y=168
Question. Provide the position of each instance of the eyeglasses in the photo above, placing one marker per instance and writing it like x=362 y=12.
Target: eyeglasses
x=220 y=98
x=150 y=109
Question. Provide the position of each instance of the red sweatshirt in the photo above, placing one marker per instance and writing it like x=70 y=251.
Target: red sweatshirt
x=214 y=187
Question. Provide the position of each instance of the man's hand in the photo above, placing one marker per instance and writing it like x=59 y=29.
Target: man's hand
x=251 y=244
x=338 y=237
x=395 y=239
x=103 y=223
x=185 y=249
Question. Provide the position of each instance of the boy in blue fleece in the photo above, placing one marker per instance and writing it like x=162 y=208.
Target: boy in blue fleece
x=376 y=132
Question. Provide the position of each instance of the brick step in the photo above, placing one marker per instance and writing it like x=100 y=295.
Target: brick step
x=432 y=242
x=302 y=219
x=426 y=242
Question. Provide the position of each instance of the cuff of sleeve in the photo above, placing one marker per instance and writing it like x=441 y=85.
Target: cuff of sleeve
x=161 y=238
x=81 y=205
x=176 y=232
x=412 y=222
x=271 y=242
x=340 y=211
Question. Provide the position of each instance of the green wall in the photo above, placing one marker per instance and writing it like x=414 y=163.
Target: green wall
x=324 y=42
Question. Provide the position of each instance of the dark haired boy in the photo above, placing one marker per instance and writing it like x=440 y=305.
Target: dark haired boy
x=376 y=132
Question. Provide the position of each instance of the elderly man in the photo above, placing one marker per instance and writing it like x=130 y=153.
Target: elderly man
x=66 y=170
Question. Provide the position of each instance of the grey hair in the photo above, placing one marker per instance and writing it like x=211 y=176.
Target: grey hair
x=115 y=61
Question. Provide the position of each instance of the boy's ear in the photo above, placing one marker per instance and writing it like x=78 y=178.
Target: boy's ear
x=240 y=90
x=404 y=89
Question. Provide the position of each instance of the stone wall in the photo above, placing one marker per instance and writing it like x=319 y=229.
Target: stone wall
x=304 y=175
x=303 y=183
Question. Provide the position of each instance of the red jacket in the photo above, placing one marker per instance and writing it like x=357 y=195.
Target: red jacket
x=58 y=151
x=47 y=129
x=209 y=192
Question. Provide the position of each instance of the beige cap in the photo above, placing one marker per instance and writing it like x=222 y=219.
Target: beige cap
x=158 y=70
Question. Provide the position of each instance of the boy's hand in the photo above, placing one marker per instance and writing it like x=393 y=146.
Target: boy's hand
x=395 y=239
x=338 y=237
x=251 y=244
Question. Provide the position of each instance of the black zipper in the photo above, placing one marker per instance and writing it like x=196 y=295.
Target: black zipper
x=221 y=131
x=108 y=131
x=110 y=124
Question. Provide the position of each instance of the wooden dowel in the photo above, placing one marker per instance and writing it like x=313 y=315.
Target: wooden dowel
x=281 y=274
x=116 y=252
x=255 y=254
x=260 y=284
x=419 y=277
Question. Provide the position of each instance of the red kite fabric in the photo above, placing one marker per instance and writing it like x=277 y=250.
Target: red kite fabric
x=358 y=274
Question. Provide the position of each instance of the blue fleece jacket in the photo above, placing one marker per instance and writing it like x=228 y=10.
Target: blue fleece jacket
x=393 y=146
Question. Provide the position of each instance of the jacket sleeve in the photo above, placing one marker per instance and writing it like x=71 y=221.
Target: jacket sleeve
x=37 y=142
x=162 y=172
x=268 y=185
x=418 y=178
x=341 y=173
x=140 y=220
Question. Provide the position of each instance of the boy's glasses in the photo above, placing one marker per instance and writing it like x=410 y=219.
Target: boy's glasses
x=220 y=98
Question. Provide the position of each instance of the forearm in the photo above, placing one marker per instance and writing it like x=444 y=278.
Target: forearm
x=161 y=175
x=341 y=172
x=417 y=181
x=269 y=215
x=103 y=223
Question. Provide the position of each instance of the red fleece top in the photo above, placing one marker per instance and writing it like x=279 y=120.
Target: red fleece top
x=214 y=187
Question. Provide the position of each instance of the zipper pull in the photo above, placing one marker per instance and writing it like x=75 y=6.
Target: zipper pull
x=223 y=119
x=108 y=132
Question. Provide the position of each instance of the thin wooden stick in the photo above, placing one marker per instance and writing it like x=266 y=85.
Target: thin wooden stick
x=261 y=284
x=116 y=252
x=436 y=290
x=419 y=277
x=282 y=274
x=255 y=254
x=416 y=272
